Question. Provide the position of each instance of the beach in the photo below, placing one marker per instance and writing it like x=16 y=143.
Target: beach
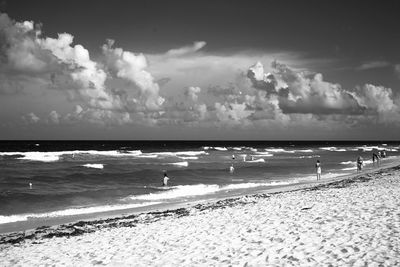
x=353 y=221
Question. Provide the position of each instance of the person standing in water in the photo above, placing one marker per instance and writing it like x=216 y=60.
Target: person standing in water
x=231 y=169
x=165 y=179
x=318 y=169
x=359 y=163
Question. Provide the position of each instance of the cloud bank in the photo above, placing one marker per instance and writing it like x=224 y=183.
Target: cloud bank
x=184 y=86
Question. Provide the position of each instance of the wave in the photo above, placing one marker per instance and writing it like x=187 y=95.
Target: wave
x=56 y=155
x=304 y=150
x=256 y=161
x=348 y=163
x=177 y=154
x=332 y=148
x=203 y=189
x=279 y=150
x=371 y=148
x=71 y=212
x=309 y=157
x=180 y=164
x=95 y=166
x=219 y=148
x=186 y=158
x=264 y=154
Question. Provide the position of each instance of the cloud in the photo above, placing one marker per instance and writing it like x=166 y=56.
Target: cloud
x=397 y=70
x=54 y=117
x=191 y=92
x=373 y=65
x=132 y=67
x=184 y=86
x=186 y=49
x=30 y=118
x=261 y=80
x=302 y=92
x=379 y=101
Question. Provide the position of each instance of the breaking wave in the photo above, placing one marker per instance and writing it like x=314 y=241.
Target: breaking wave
x=71 y=212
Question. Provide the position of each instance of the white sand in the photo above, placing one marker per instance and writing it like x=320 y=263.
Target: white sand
x=357 y=225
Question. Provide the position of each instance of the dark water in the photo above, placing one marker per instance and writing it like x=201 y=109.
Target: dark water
x=83 y=177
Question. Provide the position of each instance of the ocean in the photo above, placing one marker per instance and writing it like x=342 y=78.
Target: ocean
x=43 y=180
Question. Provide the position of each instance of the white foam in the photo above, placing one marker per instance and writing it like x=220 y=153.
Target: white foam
x=220 y=148
x=95 y=166
x=310 y=157
x=55 y=156
x=177 y=154
x=279 y=150
x=71 y=212
x=332 y=148
x=186 y=158
x=180 y=164
x=255 y=161
x=264 y=154
x=348 y=163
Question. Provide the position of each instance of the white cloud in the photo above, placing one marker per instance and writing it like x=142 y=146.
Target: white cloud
x=191 y=92
x=186 y=49
x=373 y=65
x=54 y=117
x=132 y=67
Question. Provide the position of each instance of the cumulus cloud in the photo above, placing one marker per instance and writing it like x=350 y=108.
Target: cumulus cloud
x=261 y=80
x=119 y=87
x=54 y=117
x=30 y=118
x=132 y=67
x=191 y=92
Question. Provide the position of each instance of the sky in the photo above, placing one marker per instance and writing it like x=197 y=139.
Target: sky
x=199 y=70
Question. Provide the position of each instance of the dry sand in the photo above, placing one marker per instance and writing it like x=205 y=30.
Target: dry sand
x=354 y=222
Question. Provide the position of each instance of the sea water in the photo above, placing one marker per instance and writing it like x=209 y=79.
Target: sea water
x=71 y=178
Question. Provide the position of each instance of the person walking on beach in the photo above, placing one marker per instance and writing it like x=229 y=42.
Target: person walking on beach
x=165 y=179
x=359 y=163
x=318 y=169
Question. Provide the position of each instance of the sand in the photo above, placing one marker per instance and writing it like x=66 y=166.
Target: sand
x=353 y=222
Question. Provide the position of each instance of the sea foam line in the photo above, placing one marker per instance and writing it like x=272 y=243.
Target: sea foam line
x=71 y=212
x=95 y=166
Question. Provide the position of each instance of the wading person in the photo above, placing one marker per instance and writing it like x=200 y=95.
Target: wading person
x=318 y=169
x=359 y=163
x=165 y=179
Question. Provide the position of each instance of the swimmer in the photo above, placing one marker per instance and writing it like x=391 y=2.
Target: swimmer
x=231 y=169
x=30 y=185
x=233 y=157
x=165 y=179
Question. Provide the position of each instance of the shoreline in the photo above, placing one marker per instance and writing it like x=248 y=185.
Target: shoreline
x=131 y=219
